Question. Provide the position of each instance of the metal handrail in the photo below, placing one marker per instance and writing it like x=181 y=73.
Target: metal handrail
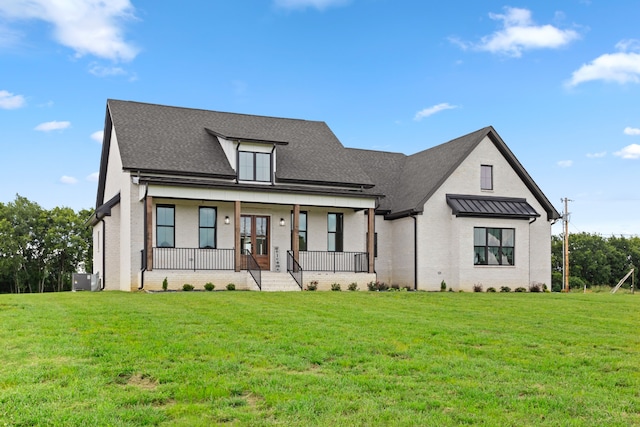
x=334 y=261
x=193 y=259
x=254 y=269
x=294 y=269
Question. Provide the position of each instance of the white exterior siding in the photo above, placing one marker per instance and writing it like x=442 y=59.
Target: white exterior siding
x=446 y=242
x=113 y=179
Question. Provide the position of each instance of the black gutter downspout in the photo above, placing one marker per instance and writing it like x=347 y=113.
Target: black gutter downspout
x=531 y=222
x=273 y=169
x=415 y=252
x=104 y=258
x=144 y=244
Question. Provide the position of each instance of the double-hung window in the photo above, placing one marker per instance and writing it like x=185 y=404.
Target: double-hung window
x=165 y=226
x=207 y=227
x=494 y=246
x=335 y=232
x=486 y=177
x=302 y=230
x=254 y=166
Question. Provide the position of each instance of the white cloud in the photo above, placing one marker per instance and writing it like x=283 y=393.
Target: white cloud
x=97 y=136
x=9 y=101
x=433 y=110
x=54 y=125
x=620 y=67
x=92 y=27
x=631 y=131
x=93 y=177
x=101 y=71
x=565 y=163
x=68 y=180
x=596 y=155
x=629 y=152
x=303 y=4
x=519 y=33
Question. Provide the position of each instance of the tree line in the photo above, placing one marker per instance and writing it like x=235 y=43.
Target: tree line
x=594 y=259
x=41 y=248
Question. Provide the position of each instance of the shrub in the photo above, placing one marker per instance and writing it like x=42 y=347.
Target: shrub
x=491 y=289
x=231 y=287
x=556 y=287
x=407 y=287
x=576 y=282
x=395 y=287
x=313 y=285
x=165 y=284
x=353 y=286
x=443 y=286
x=209 y=286
x=505 y=289
x=450 y=289
x=187 y=287
x=520 y=289
x=477 y=287
x=535 y=287
x=377 y=286
x=335 y=287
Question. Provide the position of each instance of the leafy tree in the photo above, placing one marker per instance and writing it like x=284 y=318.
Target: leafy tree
x=39 y=248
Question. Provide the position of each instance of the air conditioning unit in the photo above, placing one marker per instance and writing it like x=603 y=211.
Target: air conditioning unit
x=86 y=282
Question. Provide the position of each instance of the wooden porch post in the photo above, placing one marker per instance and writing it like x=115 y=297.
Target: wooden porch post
x=148 y=244
x=295 y=238
x=370 y=236
x=236 y=227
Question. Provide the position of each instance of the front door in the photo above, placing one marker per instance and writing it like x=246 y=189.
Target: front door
x=254 y=238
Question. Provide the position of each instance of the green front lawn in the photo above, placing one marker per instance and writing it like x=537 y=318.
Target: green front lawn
x=319 y=358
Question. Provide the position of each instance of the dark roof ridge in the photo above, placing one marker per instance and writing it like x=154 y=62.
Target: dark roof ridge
x=376 y=151
x=214 y=111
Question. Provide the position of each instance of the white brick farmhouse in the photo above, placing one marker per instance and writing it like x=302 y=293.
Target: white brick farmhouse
x=268 y=203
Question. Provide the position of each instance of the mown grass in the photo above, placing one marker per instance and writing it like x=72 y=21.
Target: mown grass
x=319 y=358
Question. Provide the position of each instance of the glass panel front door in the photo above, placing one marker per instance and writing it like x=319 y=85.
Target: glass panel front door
x=254 y=238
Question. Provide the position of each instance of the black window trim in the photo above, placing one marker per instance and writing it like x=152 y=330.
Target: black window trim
x=214 y=227
x=306 y=231
x=487 y=246
x=339 y=232
x=173 y=227
x=253 y=172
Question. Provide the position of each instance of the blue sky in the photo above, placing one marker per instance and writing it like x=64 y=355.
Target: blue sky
x=560 y=82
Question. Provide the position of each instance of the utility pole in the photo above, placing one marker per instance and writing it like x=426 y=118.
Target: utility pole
x=565 y=263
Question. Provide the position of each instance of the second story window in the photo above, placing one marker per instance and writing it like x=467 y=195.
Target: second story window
x=254 y=166
x=486 y=177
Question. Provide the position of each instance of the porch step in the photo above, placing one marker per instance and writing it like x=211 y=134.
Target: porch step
x=278 y=282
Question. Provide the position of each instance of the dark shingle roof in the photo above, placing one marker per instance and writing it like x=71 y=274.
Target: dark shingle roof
x=175 y=140
x=409 y=181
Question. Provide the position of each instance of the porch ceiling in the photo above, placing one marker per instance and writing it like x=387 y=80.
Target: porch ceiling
x=269 y=195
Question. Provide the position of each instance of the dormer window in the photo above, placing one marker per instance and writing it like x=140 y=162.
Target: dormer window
x=254 y=166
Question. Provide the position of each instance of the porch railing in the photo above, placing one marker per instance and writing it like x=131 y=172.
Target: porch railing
x=357 y=262
x=294 y=269
x=193 y=259
x=254 y=269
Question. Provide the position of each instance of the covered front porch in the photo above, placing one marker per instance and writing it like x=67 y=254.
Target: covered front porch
x=256 y=244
